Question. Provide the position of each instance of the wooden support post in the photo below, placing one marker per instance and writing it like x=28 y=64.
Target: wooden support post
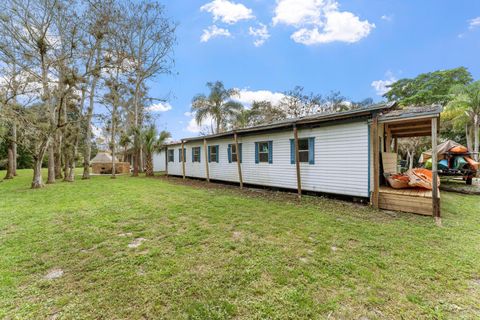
x=207 y=172
x=395 y=145
x=388 y=141
x=182 y=152
x=297 y=161
x=166 y=161
x=376 y=161
x=239 y=165
x=435 y=198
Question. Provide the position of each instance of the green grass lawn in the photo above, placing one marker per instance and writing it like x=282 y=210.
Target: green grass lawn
x=215 y=253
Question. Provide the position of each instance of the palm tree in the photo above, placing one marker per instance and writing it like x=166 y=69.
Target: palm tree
x=467 y=98
x=218 y=105
x=152 y=142
x=243 y=118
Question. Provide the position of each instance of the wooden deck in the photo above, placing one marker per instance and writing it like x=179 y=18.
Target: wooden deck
x=413 y=200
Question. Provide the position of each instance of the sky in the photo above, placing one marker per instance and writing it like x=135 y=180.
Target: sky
x=266 y=47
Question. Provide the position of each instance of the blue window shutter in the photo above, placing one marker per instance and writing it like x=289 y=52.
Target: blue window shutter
x=270 y=151
x=199 y=154
x=185 y=154
x=179 y=155
x=292 y=151
x=229 y=151
x=217 y=148
x=311 y=150
x=193 y=157
x=239 y=155
x=256 y=152
x=209 y=148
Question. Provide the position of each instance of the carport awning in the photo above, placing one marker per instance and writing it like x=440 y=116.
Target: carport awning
x=410 y=121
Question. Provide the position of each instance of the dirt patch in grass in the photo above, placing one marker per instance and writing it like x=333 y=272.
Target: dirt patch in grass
x=53 y=274
x=136 y=242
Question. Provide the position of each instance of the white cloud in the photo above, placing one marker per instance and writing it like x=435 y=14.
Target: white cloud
x=160 y=107
x=260 y=34
x=188 y=114
x=473 y=23
x=320 y=21
x=193 y=126
x=247 y=97
x=299 y=12
x=387 y=17
x=214 y=31
x=227 y=11
x=204 y=127
x=380 y=86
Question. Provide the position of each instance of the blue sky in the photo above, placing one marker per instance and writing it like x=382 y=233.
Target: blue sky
x=265 y=47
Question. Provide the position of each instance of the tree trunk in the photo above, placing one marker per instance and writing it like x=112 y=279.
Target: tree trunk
x=136 y=138
x=140 y=159
x=71 y=167
x=14 y=148
x=149 y=165
x=10 y=167
x=10 y=156
x=58 y=155
x=468 y=136
x=135 y=158
x=475 y=137
x=114 y=125
x=71 y=172
x=51 y=164
x=37 y=181
x=410 y=156
x=88 y=137
x=59 y=137
x=66 y=165
x=87 y=154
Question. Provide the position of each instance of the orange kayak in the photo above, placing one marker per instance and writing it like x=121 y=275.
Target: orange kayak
x=473 y=164
x=459 y=149
x=421 y=178
x=398 y=181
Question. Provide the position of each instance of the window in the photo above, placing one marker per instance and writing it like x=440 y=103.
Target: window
x=213 y=153
x=306 y=150
x=233 y=154
x=303 y=150
x=196 y=154
x=180 y=155
x=264 y=152
x=171 y=155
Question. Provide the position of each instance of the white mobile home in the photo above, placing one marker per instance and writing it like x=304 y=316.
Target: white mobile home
x=335 y=154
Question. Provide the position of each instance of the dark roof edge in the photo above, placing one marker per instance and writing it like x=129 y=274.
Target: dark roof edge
x=302 y=120
x=434 y=112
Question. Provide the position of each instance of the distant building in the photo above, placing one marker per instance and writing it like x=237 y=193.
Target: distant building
x=102 y=164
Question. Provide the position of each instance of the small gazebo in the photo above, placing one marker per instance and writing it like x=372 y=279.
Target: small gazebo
x=102 y=164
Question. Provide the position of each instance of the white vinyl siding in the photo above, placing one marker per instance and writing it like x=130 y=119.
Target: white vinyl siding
x=159 y=161
x=340 y=167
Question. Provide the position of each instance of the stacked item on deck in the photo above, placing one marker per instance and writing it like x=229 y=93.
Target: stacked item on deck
x=413 y=178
